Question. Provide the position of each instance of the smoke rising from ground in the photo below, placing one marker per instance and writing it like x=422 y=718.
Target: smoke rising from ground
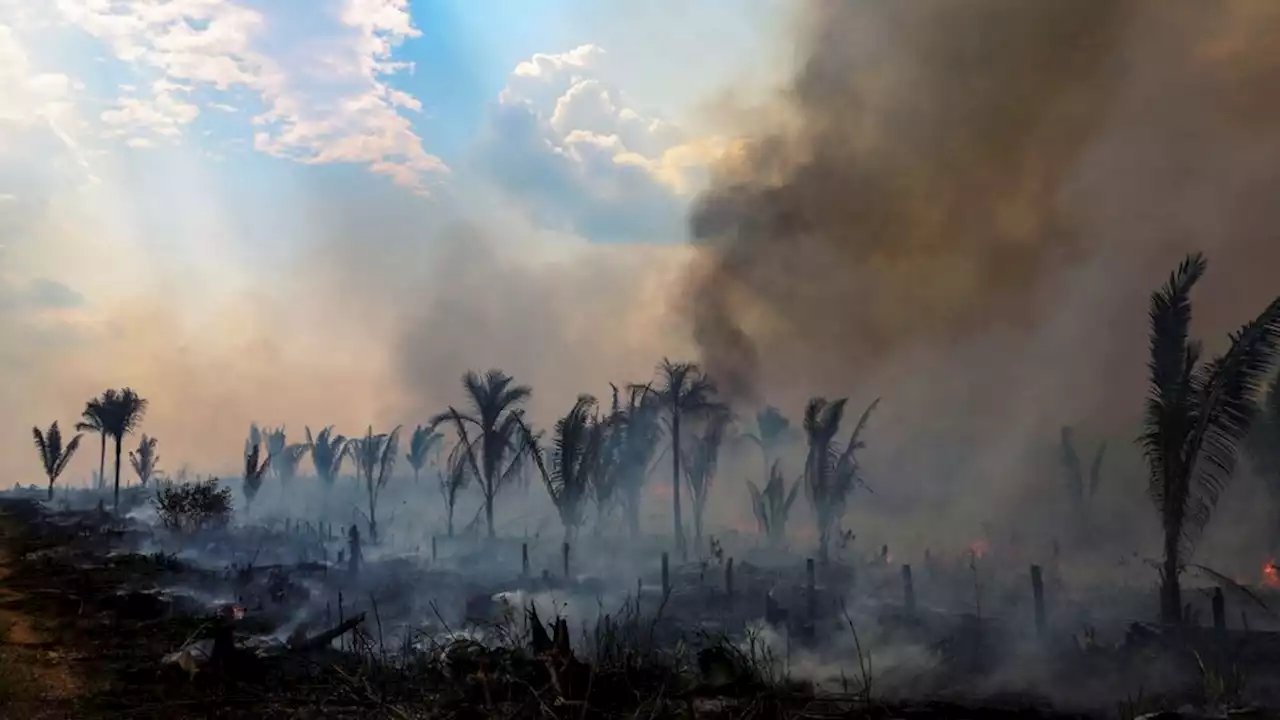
x=962 y=206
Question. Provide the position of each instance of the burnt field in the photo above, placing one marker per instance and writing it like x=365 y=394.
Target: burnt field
x=276 y=620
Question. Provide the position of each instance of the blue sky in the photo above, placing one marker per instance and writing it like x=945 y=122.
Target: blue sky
x=209 y=197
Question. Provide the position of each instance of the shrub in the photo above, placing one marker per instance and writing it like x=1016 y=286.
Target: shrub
x=191 y=507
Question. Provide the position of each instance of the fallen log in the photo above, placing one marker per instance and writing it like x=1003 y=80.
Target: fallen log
x=323 y=639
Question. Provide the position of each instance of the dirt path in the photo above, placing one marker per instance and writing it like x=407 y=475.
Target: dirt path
x=37 y=679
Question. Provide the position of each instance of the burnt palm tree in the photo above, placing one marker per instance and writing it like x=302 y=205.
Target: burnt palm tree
x=145 y=460
x=772 y=506
x=1197 y=416
x=684 y=392
x=422 y=442
x=53 y=456
x=452 y=479
x=375 y=458
x=255 y=470
x=122 y=412
x=491 y=437
x=831 y=472
x=327 y=452
x=91 y=421
x=569 y=471
x=277 y=445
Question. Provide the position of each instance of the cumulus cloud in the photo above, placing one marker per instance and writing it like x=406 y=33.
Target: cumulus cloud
x=325 y=93
x=566 y=143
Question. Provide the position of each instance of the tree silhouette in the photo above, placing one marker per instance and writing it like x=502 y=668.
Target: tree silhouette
x=773 y=506
x=91 y=421
x=637 y=427
x=144 y=460
x=773 y=431
x=122 y=412
x=277 y=443
x=1197 y=416
x=327 y=452
x=496 y=423
x=53 y=456
x=700 y=464
x=684 y=392
x=1080 y=490
x=374 y=457
x=574 y=461
x=831 y=472
x=423 y=440
x=1263 y=447
x=255 y=470
x=286 y=463
x=452 y=479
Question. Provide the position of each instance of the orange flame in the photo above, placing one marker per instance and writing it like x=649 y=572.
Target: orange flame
x=1271 y=574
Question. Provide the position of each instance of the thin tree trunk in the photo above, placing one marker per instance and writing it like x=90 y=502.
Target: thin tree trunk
x=50 y=489
x=675 y=485
x=632 y=504
x=488 y=513
x=697 y=526
x=1170 y=584
x=117 y=492
x=102 y=462
x=449 y=519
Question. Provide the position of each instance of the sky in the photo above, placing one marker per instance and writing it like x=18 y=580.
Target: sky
x=240 y=206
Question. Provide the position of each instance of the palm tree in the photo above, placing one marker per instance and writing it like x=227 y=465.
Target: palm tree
x=1080 y=491
x=700 y=464
x=499 y=437
x=452 y=479
x=145 y=460
x=122 y=412
x=1197 y=416
x=277 y=442
x=831 y=472
x=255 y=469
x=423 y=440
x=1263 y=446
x=773 y=506
x=286 y=463
x=684 y=392
x=53 y=455
x=374 y=457
x=637 y=423
x=327 y=452
x=568 y=473
x=773 y=430
x=91 y=421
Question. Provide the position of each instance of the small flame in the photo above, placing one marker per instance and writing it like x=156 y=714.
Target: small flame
x=979 y=548
x=1271 y=574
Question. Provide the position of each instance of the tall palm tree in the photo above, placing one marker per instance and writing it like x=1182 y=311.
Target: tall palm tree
x=1197 y=416
x=498 y=447
x=831 y=472
x=422 y=442
x=277 y=442
x=91 y=421
x=452 y=479
x=638 y=423
x=773 y=506
x=684 y=392
x=145 y=460
x=569 y=472
x=700 y=464
x=374 y=457
x=53 y=455
x=122 y=412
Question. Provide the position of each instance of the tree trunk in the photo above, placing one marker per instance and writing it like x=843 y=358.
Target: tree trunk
x=102 y=462
x=633 y=514
x=1170 y=585
x=119 y=440
x=824 y=545
x=50 y=489
x=449 y=519
x=697 y=527
x=488 y=514
x=675 y=484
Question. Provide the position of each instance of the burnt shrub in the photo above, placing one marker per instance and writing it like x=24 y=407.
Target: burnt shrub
x=191 y=507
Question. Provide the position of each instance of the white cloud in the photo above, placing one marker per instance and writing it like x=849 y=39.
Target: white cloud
x=324 y=91
x=563 y=138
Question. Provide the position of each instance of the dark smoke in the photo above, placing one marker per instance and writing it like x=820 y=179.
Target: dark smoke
x=971 y=168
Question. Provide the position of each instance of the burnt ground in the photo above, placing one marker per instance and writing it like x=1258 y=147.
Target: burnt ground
x=80 y=642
